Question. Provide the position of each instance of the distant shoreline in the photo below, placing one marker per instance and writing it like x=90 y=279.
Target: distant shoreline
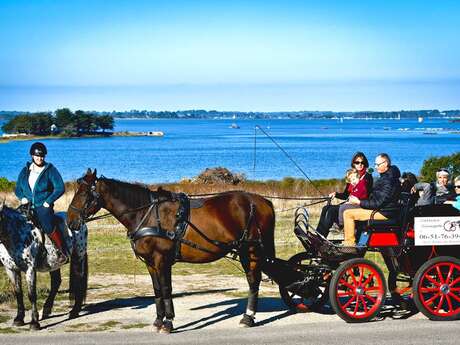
x=84 y=136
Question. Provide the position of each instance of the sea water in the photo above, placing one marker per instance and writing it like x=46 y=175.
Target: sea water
x=322 y=148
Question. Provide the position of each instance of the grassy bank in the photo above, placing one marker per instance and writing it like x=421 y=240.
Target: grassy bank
x=110 y=251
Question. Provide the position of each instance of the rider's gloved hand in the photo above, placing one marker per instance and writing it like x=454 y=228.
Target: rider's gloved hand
x=24 y=201
x=45 y=204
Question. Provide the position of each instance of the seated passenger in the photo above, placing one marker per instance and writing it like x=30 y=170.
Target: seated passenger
x=456 y=203
x=357 y=187
x=384 y=195
x=436 y=192
x=330 y=213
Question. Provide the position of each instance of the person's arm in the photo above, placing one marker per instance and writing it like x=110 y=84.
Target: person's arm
x=345 y=194
x=19 y=191
x=377 y=200
x=58 y=186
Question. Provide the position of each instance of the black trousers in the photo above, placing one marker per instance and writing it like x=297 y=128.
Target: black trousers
x=329 y=216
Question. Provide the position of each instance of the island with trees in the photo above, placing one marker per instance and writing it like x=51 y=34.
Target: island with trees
x=63 y=122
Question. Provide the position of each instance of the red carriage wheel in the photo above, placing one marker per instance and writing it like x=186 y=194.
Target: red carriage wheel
x=437 y=288
x=302 y=304
x=357 y=290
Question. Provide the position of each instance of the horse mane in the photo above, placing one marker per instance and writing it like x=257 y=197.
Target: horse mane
x=135 y=194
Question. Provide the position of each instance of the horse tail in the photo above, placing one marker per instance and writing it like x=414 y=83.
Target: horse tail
x=78 y=282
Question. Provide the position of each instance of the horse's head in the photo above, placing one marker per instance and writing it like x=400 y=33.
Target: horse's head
x=86 y=201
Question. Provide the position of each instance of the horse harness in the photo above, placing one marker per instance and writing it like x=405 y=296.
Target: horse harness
x=182 y=223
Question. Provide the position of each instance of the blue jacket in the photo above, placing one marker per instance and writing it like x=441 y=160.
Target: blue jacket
x=48 y=188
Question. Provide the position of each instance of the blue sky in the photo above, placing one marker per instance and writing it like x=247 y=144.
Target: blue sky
x=229 y=55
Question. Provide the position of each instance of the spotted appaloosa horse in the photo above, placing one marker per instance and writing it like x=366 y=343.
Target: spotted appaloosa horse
x=161 y=235
x=24 y=248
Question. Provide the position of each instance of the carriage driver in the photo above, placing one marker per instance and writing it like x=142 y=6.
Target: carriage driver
x=40 y=185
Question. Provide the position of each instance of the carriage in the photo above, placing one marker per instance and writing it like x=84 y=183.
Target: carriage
x=425 y=260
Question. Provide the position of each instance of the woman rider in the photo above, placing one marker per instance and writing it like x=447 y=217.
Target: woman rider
x=330 y=213
x=40 y=185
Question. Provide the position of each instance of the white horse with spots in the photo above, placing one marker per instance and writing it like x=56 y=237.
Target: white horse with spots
x=24 y=248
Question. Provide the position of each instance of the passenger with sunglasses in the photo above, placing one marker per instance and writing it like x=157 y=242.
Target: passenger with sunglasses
x=436 y=193
x=382 y=202
x=456 y=203
x=330 y=213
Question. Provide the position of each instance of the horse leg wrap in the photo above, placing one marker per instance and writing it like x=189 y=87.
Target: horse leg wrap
x=169 y=308
x=160 y=306
x=253 y=299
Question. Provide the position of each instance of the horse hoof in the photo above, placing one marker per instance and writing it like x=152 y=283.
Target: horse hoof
x=167 y=327
x=34 y=326
x=157 y=324
x=247 y=321
x=73 y=315
x=18 y=322
x=46 y=313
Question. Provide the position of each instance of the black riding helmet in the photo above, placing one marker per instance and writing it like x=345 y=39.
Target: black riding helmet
x=38 y=149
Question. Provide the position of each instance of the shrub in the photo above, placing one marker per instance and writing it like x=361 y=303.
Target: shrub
x=5 y=185
x=432 y=164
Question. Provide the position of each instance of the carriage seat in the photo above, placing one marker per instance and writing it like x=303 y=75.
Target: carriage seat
x=406 y=203
x=383 y=233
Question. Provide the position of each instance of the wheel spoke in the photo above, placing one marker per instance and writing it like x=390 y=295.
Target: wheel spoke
x=361 y=274
x=456 y=281
x=352 y=275
x=454 y=289
x=440 y=303
x=431 y=289
x=449 y=303
x=372 y=299
x=432 y=280
x=438 y=269
x=348 y=285
x=455 y=297
x=368 y=280
x=347 y=293
x=451 y=269
x=431 y=300
x=363 y=301
x=349 y=302
x=373 y=288
x=356 y=306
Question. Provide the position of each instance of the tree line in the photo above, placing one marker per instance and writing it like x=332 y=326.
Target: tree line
x=64 y=120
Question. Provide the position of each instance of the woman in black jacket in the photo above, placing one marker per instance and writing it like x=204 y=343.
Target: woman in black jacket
x=330 y=213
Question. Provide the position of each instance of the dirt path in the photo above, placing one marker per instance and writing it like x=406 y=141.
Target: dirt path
x=119 y=302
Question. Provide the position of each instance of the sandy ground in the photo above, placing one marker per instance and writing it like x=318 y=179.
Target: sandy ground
x=117 y=302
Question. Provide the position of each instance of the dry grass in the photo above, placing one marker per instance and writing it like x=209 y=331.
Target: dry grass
x=109 y=250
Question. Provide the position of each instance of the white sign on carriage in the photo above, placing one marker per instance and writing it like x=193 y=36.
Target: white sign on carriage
x=437 y=231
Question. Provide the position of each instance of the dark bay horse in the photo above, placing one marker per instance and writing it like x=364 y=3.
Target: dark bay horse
x=160 y=234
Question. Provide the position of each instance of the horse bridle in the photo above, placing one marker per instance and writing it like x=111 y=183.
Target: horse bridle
x=95 y=201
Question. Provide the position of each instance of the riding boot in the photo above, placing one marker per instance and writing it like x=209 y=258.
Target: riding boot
x=56 y=238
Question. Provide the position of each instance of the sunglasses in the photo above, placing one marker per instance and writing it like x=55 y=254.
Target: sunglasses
x=457 y=186
x=358 y=162
x=379 y=164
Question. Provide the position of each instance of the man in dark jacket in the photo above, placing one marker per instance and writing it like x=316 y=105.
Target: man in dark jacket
x=39 y=185
x=384 y=195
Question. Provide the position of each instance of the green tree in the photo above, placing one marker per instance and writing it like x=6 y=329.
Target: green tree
x=433 y=164
x=41 y=123
x=105 y=122
x=65 y=119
